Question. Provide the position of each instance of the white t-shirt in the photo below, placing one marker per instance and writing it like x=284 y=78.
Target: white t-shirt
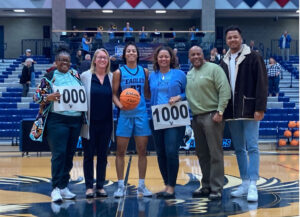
x=283 y=42
x=232 y=71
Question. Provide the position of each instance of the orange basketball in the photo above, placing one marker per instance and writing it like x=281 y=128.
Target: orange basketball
x=296 y=133
x=130 y=98
x=282 y=142
x=292 y=124
x=294 y=142
x=297 y=124
x=287 y=133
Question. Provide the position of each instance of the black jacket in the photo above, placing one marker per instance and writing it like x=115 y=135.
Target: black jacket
x=26 y=75
x=251 y=86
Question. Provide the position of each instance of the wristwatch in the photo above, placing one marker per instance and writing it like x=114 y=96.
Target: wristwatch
x=220 y=112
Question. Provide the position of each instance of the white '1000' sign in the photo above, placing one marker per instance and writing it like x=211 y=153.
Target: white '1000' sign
x=167 y=116
x=71 y=98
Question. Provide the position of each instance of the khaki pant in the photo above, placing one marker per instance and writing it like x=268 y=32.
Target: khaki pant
x=208 y=137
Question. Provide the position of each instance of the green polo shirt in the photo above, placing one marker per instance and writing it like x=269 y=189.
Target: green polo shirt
x=207 y=89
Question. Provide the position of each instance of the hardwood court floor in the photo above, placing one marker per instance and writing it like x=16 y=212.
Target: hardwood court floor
x=25 y=188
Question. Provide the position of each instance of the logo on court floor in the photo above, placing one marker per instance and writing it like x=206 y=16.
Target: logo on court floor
x=36 y=190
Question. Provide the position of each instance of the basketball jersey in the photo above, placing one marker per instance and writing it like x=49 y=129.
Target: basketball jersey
x=134 y=78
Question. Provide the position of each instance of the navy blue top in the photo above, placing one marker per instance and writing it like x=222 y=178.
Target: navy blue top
x=101 y=99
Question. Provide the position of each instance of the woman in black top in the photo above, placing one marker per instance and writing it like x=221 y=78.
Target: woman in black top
x=96 y=135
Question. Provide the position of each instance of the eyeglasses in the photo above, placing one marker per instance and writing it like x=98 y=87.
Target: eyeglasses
x=64 y=60
x=102 y=57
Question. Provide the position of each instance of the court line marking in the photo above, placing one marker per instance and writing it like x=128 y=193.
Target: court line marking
x=121 y=203
x=288 y=167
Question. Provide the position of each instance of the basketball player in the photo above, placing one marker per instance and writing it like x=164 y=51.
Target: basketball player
x=134 y=121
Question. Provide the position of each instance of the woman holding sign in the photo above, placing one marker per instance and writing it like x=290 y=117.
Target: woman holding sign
x=96 y=135
x=167 y=86
x=134 y=121
x=63 y=126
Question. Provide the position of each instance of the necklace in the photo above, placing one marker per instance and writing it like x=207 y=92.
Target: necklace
x=162 y=77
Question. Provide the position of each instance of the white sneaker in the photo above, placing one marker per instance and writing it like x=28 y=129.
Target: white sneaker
x=142 y=190
x=252 y=194
x=56 y=196
x=119 y=192
x=240 y=191
x=67 y=194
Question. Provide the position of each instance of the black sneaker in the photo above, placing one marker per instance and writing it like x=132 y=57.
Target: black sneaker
x=215 y=196
x=203 y=192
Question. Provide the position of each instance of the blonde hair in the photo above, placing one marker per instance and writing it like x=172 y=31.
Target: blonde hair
x=93 y=65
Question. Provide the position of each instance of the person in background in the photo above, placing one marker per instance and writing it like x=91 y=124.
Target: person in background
x=175 y=51
x=85 y=64
x=208 y=92
x=131 y=122
x=193 y=29
x=111 y=33
x=247 y=75
x=143 y=35
x=26 y=76
x=274 y=69
x=167 y=86
x=97 y=134
x=62 y=128
x=252 y=46
x=284 y=45
x=213 y=57
x=32 y=74
x=85 y=43
x=128 y=31
x=79 y=59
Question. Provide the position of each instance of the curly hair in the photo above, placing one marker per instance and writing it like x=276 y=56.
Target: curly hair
x=172 y=57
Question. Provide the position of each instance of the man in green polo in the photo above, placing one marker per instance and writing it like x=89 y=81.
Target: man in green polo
x=208 y=93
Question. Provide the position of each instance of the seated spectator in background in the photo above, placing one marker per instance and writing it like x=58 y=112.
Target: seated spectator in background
x=176 y=66
x=128 y=31
x=156 y=35
x=74 y=34
x=274 y=69
x=217 y=53
x=252 y=46
x=224 y=51
x=142 y=34
x=213 y=57
x=85 y=64
x=32 y=75
x=98 y=38
x=85 y=43
x=193 y=29
x=111 y=30
x=115 y=62
x=284 y=45
x=26 y=76
x=79 y=59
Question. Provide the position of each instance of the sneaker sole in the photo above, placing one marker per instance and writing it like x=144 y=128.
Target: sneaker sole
x=57 y=201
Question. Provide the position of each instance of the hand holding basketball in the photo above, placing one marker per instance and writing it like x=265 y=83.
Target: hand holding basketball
x=129 y=98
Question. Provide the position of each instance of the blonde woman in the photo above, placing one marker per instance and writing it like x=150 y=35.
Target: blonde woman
x=97 y=133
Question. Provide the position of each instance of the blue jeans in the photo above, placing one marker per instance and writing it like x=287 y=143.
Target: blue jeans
x=167 y=143
x=274 y=85
x=32 y=79
x=244 y=135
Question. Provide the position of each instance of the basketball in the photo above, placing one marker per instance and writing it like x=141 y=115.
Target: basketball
x=287 y=133
x=130 y=98
x=282 y=142
x=297 y=124
x=296 y=133
x=292 y=124
x=294 y=142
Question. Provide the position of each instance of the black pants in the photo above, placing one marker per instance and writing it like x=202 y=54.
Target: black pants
x=62 y=136
x=167 y=142
x=100 y=133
